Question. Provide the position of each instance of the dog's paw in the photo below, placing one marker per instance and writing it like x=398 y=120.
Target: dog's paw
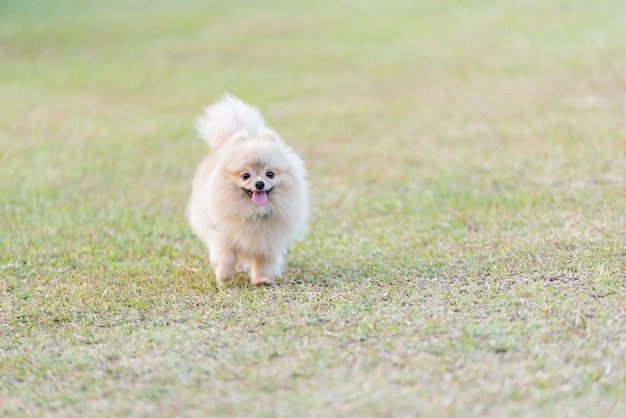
x=262 y=281
x=223 y=281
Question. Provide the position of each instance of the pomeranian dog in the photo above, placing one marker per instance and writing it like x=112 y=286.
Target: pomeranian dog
x=249 y=197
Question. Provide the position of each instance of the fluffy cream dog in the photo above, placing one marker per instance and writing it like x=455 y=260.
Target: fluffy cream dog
x=249 y=199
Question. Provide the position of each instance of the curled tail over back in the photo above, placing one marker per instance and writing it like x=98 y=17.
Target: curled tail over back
x=225 y=118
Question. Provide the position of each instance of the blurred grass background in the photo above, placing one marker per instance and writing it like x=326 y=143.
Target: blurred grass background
x=466 y=253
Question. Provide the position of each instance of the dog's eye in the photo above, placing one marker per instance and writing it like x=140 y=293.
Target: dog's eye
x=245 y=176
x=270 y=174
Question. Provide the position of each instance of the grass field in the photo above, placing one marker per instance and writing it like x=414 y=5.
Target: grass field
x=467 y=251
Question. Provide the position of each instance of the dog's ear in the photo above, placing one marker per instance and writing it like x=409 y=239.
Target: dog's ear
x=239 y=137
x=269 y=135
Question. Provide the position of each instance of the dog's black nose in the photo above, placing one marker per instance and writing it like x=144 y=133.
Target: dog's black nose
x=259 y=185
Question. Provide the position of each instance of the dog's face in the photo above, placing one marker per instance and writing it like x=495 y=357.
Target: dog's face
x=259 y=173
x=257 y=181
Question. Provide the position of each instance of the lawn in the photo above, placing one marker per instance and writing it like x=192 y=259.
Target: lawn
x=467 y=249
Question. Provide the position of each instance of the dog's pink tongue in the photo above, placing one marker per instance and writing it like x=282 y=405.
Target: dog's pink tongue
x=259 y=197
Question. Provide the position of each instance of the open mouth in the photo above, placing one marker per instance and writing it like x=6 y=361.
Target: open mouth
x=258 y=196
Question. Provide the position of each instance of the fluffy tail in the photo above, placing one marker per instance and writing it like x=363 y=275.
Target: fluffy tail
x=226 y=117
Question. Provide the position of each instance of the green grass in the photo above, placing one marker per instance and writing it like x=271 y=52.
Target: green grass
x=466 y=255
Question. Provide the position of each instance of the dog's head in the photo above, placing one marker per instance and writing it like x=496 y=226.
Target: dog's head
x=259 y=170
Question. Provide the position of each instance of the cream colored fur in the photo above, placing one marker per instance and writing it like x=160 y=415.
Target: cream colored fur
x=221 y=209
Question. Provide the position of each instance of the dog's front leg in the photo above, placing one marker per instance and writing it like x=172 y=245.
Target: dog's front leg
x=224 y=263
x=262 y=271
